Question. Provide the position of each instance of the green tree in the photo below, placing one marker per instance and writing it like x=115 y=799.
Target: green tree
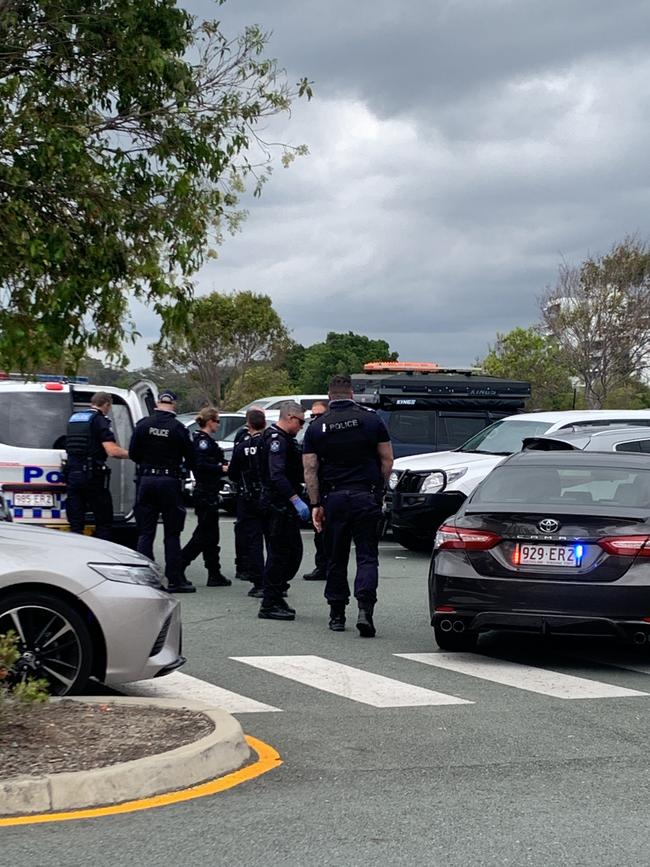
x=257 y=381
x=128 y=131
x=528 y=354
x=340 y=353
x=226 y=335
x=599 y=315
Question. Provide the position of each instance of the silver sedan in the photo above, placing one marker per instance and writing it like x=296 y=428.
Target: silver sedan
x=81 y=607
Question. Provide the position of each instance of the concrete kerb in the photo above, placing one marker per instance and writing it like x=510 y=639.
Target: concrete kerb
x=220 y=752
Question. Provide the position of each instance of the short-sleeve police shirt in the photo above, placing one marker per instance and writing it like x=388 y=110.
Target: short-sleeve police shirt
x=345 y=440
x=102 y=433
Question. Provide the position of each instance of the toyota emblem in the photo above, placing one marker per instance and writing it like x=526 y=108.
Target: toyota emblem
x=548 y=525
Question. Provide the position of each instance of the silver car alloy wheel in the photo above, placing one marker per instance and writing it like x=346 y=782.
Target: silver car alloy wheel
x=49 y=645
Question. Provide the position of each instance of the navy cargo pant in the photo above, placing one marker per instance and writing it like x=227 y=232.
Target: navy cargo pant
x=205 y=539
x=352 y=516
x=249 y=539
x=89 y=493
x=161 y=496
x=284 y=552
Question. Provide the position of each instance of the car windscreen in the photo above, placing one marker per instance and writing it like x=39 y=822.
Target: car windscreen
x=230 y=424
x=504 y=437
x=546 y=485
x=35 y=419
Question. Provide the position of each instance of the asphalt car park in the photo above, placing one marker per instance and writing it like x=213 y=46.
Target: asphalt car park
x=532 y=750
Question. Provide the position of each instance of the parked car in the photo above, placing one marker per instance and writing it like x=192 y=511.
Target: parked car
x=427 y=408
x=609 y=439
x=424 y=490
x=82 y=607
x=231 y=424
x=550 y=542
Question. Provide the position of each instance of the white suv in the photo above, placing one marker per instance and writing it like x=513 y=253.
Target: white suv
x=424 y=490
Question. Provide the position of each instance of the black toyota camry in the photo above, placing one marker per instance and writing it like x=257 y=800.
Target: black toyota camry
x=549 y=542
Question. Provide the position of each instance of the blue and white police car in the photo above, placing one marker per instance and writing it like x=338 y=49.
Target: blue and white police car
x=33 y=421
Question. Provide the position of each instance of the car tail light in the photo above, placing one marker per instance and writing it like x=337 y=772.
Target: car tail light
x=460 y=538
x=626 y=546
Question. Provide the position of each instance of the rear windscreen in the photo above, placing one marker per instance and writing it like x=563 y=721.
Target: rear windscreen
x=542 y=485
x=34 y=419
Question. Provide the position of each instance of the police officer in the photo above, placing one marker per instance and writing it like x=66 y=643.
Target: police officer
x=347 y=458
x=283 y=486
x=320 y=560
x=89 y=441
x=209 y=468
x=160 y=445
x=246 y=469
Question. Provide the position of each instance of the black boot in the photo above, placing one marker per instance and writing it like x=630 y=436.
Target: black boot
x=337 y=617
x=182 y=586
x=314 y=575
x=276 y=612
x=364 y=622
x=218 y=580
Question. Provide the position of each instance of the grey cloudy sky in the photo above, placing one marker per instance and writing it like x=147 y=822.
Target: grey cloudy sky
x=459 y=150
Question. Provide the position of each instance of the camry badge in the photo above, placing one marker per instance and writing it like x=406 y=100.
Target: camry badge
x=548 y=525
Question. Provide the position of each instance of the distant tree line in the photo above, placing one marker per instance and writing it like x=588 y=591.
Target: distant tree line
x=591 y=346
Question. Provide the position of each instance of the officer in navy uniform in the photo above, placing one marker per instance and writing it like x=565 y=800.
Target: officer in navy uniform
x=318 y=573
x=347 y=458
x=162 y=449
x=89 y=441
x=283 y=486
x=209 y=469
x=246 y=469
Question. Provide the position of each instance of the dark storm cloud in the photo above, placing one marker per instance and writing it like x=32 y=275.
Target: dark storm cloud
x=458 y=152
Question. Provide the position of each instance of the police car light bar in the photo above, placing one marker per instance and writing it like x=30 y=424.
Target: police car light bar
x=414 y=367
x=42 y=377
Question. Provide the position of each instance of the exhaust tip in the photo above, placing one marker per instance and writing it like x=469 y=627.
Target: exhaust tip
x=639 y=638
x=459 y=626
x=446 y=626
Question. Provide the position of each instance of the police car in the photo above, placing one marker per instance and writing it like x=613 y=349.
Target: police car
x=33 y=422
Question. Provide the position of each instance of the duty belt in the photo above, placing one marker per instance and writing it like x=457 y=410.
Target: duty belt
x=160 y=471
x=351 y=486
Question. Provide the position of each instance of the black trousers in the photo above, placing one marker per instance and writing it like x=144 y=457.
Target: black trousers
x=320 y=558
x=87 y=493
x=205 y=539
x=352 y=516
x=161 y=496
x=249 y=540
x=284 y=552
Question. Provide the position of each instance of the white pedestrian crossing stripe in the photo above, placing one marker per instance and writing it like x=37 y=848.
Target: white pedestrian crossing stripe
x=185 y=687
x=348 y=682
x=526 y=677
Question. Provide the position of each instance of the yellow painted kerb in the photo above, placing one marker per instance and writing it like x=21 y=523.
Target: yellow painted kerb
x=267 y=759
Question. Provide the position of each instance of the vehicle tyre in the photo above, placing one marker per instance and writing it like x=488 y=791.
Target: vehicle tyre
x=455 y=641
x=54 y=641
x=412 y=542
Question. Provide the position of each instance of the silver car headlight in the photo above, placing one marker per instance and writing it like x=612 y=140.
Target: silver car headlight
x=146 y=574
x=435 y=482
x=393 y=479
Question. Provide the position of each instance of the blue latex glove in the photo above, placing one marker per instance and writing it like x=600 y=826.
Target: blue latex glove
x=302 y=508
